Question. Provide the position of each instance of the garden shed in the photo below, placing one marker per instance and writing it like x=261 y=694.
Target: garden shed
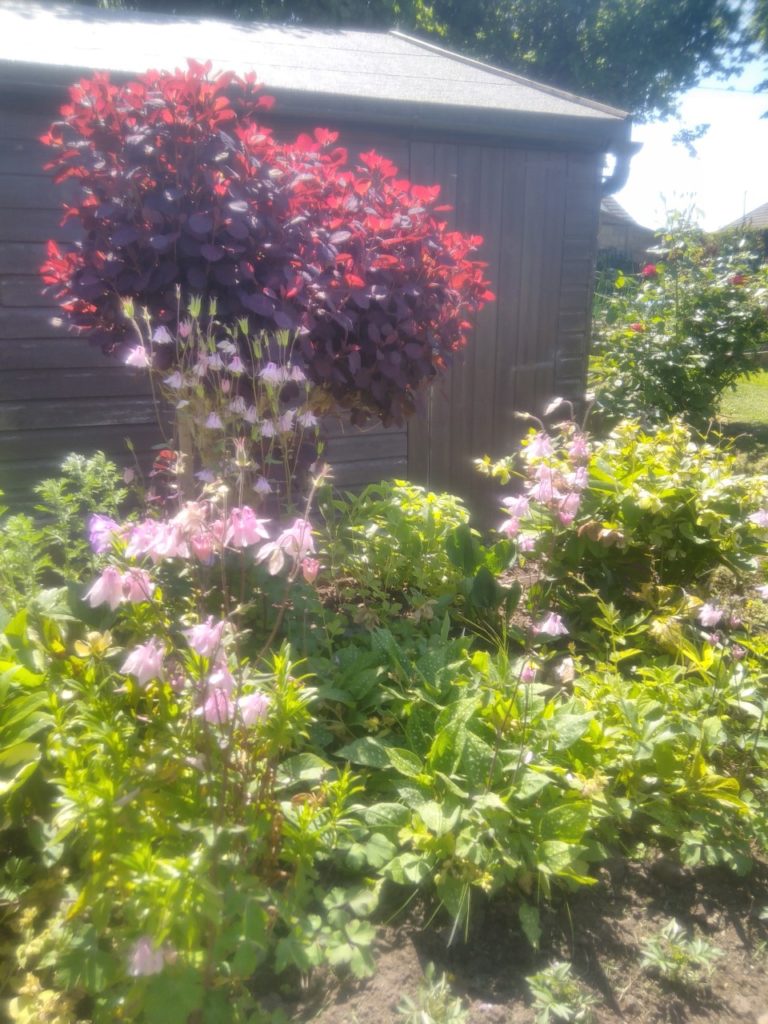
x=521 y=163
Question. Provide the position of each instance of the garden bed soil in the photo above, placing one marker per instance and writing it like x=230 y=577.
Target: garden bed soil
x=600 y=931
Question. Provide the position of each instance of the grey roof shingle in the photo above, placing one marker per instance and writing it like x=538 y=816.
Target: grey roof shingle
x=378 y=67
x=756 y=219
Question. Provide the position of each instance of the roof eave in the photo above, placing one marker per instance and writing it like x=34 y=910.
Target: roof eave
x=599 y=133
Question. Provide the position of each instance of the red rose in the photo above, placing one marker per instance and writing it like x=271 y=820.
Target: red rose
x=737 y=279
x=638 y=328
x=649 y=271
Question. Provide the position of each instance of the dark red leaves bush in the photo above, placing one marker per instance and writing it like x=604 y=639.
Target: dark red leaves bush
x=182 y=191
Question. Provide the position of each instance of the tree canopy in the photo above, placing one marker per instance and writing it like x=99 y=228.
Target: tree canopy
x=639 y=55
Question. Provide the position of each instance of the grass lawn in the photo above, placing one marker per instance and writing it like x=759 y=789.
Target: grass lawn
x=744 y=416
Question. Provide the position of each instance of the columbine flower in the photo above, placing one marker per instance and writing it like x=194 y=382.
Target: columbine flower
x=526 y=542
x=510 y=527
x=517 y=506
x=214 y=421
x=100 y=530
x=285 y=422
x=251 y=414
x=762 y=591
x=545 y=491
x=307 y=419
x=268 y=429
x=273 y=374
x=145 y=662
x=215 y=362
x=578 y=479
x=221 y=679
x=551 y=625
x=108 y=589
x=205 y=638
x=309 y=569
x=262 y=486
x=297 y=374
x=162 y=336
x=568 y=508
x=578 y=449
x=296 y=542
x=145 y=959
x=238 y=406
x=185 y=328
x=539 y=447
x=759 y=518
x=709 y=615
x=528 y=672
x=137 y=586
x=737 y=652
x=566 y=671
x=174 y=380
x=244 y=529
x=216 y=708
x=137 y=356
x=236 y=365
x=253 y=707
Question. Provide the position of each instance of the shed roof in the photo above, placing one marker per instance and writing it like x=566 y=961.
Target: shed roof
x=382 y=75
x=756 y=219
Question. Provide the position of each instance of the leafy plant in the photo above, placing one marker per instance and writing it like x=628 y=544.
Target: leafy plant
x=434 y=1003
x=675 y=956
x=181 y=192
x=671 y=340
x=559 y=996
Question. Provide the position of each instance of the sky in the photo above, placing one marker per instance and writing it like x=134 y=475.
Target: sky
x=729 y=174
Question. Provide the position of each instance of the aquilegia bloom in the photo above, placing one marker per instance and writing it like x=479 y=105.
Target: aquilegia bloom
x=205 y=638
x=108 y=589
x=710 y=615
x=253 y=707
x=145 y=662
x=551 y=625
x=100 y=531
x=145 y=959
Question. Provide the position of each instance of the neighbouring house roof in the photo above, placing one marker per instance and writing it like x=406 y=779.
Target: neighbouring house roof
x=377 y=73
x=612 y=211
x=756 y=219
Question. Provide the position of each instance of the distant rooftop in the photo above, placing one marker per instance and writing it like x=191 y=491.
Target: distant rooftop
x=611 y=209
x=756 y=219
x=375 y=67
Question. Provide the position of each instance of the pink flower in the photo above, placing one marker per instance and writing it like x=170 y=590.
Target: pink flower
x=137 y=356
x=238 y=406
x=762 y=591
x=539 y=447
x=526 y=542
x=737 y=652
x=709 y=615
x=760 y=518
x=510 y=527
x=251 y=414
x=137 y=586
x=205 y=638
x=185 y=328
x=307 y=419
x=201 y=545
x=297 y=374
x=262 y=486
x=215 y=362
x=145 y=662
x=253 y=707
x=637 y=327
x=309 y=569
x=162 y=336
x=221 y=679
x=517 y=506
x=244 y=529
x=236 y=365
x=273 y=374
x=578 y=449
x=528 y=672
x=568 y=508
x=100 y=531
x=285 y=422
x=108 y=589
x=216 y=708
x=268 y=428
x=145 y=959
x=174 y=380
x=214 y=421
x=578 y=480
x=551 y=625
x=545 y=491
x=296 y=543
x=141 y=538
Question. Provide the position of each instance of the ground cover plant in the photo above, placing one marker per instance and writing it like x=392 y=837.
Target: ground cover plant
x=249 y=725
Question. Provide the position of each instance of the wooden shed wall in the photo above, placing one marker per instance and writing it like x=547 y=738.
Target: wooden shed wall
x=537 y=209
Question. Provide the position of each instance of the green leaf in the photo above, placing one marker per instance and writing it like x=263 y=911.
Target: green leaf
x=302 y=768
x=405 y=762
x=530 y=922
x=173 y=995
x=463 y=549
x=567 y=821
x=367 y=751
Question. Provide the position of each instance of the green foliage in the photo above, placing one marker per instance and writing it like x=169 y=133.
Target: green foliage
x=673 y=339
x=676 y=957
x=52 y=546
x=659 y=507
x=559 y=996
x=434 y=1004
